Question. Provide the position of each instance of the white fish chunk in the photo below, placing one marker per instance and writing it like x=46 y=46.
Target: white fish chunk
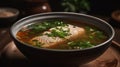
x=54 y=42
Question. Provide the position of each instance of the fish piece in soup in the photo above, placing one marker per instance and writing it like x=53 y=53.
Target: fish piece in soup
x=58 y=36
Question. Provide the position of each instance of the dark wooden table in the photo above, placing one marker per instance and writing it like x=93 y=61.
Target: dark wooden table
x=4 y=37
x=9 y=52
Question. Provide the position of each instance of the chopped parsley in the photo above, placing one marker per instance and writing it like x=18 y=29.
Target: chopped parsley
x=45 y=25
x=37 y=43
x=94 y=33
x=60 y=31
x=80 y=44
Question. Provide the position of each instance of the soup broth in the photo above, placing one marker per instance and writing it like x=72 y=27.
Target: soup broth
x=59 y=34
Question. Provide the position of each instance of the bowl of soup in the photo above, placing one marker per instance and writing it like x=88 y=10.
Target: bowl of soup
x=62 y=37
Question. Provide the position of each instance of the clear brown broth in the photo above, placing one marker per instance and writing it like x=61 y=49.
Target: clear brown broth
x=25 y=37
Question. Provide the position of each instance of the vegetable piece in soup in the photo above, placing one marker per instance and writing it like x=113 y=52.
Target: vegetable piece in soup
x=61 y=35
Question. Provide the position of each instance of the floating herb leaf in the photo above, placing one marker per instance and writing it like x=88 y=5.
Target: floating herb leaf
x=80 y=44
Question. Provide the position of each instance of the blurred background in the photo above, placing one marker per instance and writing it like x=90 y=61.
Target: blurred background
x=104 y=7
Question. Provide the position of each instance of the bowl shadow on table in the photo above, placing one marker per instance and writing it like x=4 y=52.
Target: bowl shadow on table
x=27 y=63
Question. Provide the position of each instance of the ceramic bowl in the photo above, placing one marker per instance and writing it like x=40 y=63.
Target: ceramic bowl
x=8 y=16
x=62 y=57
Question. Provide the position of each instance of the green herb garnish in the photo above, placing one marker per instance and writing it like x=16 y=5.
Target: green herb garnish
x=43 y=26
x=59 y=32
x=80 y=44
x=37 y=43
x=94 y=33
